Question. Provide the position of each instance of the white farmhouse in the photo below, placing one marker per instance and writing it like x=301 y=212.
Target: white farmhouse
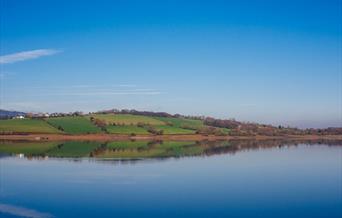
x=19 y=117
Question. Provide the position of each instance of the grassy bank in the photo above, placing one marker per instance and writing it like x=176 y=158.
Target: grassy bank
x=123 y=124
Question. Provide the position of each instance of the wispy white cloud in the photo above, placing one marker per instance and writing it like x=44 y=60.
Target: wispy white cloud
x=127 y=85
x=103 y=93
x=22 y=212
x=86 y=86
x=26 y=55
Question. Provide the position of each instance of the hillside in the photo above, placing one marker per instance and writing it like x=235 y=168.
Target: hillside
x=132 y=122
x=126 y=124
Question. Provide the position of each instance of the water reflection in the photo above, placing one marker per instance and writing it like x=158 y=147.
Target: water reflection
x=138 y=150
x=273 y=179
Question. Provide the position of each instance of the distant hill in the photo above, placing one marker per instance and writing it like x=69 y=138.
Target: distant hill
x=133 y=122
x=4 y=114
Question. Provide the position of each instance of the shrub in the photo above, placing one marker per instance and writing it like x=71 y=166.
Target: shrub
x=140 y=124
x=99 y=123
x=154 y=131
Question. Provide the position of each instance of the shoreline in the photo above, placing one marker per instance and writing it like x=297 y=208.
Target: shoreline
x=190 y=137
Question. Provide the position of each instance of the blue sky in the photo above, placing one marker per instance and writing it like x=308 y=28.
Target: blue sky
x=274 y=62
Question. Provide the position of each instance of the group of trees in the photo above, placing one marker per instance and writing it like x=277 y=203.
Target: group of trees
x=151 y=129
x=327 y=131
x=99 y=123
x=154 y=131
x=229 y=124
x=209 y=130
x=135 y=112
x=102 y=124
x=149 y=113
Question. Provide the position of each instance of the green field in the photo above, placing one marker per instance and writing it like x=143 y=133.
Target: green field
x=127 y=119
x=26 y=126
x=182 y=122
x=73 y=149
x=168 y=125
x=27 y=148
x=74 y=125
x=125 y=124
x=128 y=129
x=169 y=130
x=225 y=130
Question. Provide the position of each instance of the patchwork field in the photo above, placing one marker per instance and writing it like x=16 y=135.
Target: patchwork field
x=127 y=119
x=129 y=129
x=74 y=125
x=182 y=123
x=170 y=130
x=26 y=126
x=124 y=124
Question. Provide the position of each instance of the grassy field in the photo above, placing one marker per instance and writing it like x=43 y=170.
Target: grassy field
x=160 y=123
x=27 y=148
x=126 y=124
x=73 y=149
x=225 y=130
x=26 y=126
x=128 y=129
x=181 y=122
x=74 y=125
x=127 y=119
x=169 y=130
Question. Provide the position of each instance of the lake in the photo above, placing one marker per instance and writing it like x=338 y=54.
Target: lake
x=171 y=179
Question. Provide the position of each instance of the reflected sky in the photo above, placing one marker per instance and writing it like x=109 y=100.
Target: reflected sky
x=288 y=181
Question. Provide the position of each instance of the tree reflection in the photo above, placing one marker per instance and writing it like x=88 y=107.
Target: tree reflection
x=137 y=150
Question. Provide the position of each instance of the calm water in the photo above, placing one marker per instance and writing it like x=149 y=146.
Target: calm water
x=270 y=181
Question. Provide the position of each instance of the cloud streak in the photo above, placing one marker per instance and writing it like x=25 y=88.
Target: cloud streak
x=103 y=93
x=22 y=212
x=26 y=55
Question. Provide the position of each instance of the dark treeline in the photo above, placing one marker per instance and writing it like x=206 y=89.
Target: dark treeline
x=229 y=124
x=135 y=112
x=149 y=113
